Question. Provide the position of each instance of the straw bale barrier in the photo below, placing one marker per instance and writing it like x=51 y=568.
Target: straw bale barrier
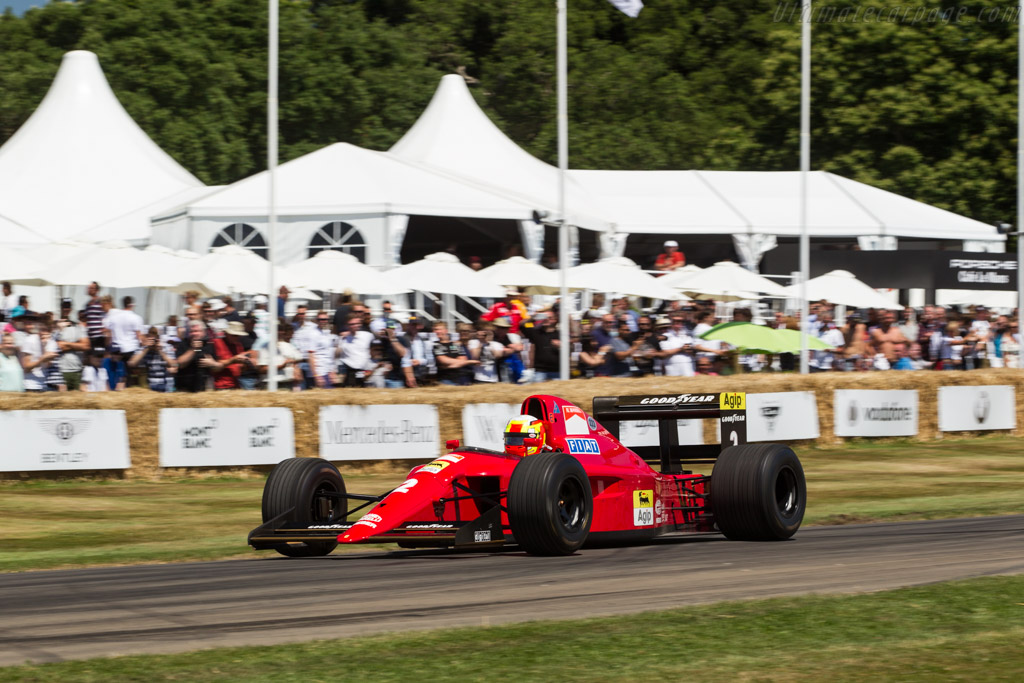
x=142 y=407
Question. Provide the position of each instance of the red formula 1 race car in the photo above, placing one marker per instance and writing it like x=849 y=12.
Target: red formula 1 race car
x=583 y=487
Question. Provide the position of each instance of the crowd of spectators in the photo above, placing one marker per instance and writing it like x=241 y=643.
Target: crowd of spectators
x=215 y=346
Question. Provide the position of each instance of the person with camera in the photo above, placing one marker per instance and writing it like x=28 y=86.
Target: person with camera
x=392 y=354
x=677 y=349
x=483 y=347
x=160 y=366
x=192 y=372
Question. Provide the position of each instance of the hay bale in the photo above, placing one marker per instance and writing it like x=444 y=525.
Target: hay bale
x=142 y=407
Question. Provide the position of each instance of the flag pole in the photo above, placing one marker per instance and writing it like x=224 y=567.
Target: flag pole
x=563 y=165
x=272 y=197
x=805 y=167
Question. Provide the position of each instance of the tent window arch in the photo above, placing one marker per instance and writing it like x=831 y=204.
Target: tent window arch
x=242 y=235
x=339 y=236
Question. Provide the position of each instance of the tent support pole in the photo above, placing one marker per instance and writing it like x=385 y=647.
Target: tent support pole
x=272 y=203
x=563 y=165
x=1020 y=164
x=805 y=166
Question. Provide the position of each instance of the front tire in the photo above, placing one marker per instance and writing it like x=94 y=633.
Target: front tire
x=312 y=489
x=758 y=492
x=550 y=505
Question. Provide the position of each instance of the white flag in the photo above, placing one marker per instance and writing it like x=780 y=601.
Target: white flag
x=630 y=7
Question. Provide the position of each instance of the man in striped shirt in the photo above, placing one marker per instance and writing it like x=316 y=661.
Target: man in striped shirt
x=94 y=317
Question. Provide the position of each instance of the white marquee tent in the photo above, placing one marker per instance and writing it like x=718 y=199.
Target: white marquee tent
x=455 y=136
x=373 y=191
x=81 y=161
x=767 y=202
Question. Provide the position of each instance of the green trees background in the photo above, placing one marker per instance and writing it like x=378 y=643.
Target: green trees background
x=926 y=108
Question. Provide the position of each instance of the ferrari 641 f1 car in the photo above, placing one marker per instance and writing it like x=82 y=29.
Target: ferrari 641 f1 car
x=583 y=488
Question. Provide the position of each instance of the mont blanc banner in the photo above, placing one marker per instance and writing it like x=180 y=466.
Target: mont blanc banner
x=57 y=440
x=782 y=416
x=964 y=409
x=386 y=432
x=219 y=437
x=875 y=413
x=483 y=424
x=645 y=432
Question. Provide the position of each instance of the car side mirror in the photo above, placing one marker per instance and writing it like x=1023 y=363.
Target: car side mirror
x=451 y=444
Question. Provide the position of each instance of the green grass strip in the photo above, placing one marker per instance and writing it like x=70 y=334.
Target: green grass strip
x=967 y=630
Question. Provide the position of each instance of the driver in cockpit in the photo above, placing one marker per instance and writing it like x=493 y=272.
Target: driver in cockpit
x=525 y=435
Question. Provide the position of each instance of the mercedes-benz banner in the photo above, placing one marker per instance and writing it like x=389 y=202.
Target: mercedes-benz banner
x=225 y=437
x=483 y=424
x=963 y=409
x=57 y=440
x=782 y=416
x=386 y=432
x=875 y=413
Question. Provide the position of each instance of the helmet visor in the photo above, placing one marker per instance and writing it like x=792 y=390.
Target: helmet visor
x=517 y=439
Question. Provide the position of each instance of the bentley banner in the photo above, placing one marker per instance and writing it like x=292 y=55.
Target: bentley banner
x=219 y=437
x=56 y=440
x=875 y=413
x=782 y=416
x=963 y=409
x=483 y=424
x=386 y=432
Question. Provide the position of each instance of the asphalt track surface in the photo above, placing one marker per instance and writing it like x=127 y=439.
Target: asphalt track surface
x=60 y=615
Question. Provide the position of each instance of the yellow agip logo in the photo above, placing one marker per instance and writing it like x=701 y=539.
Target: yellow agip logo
x=736 y=400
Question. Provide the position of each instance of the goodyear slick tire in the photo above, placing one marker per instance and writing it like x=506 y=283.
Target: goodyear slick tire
x=294 y=483
x=758 y=492
x=550 y=505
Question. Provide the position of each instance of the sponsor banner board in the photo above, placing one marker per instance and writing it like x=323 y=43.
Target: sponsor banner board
x=225 y=437
x=964 y=409
x=58 y=440
x=385 y=432
x=875 y=413
x=782 y=416
x=645 y=432
x=483 y=424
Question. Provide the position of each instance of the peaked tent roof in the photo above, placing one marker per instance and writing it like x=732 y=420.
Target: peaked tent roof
x=454 y=135
x=345 y=179
x=727 y=202
x=80 y=160
x=13 y=232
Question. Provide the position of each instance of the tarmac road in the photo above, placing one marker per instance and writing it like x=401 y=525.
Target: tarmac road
x=76 y=614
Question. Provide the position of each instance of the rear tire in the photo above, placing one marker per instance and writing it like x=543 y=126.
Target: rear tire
x=550 y=505
x=758 y=492
x=298 y=484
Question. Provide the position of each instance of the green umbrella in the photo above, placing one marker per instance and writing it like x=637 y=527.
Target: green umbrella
x=792 y=338
x=761 y=339
x=747 y=336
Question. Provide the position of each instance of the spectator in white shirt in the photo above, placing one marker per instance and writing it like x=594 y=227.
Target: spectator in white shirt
x=33 y=360
x=322 y=353
x=354 y=347
x=677 y=349
x=94 y=375
x=125 y=327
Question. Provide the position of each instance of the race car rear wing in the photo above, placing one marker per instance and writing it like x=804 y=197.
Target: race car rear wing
x=730 y=409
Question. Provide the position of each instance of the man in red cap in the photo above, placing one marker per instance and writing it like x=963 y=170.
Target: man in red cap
x=671 y=258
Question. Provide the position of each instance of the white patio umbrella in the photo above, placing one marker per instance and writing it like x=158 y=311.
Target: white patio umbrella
x=19 y=268
x=842 y=287
x=678 y=277
x=117 y=265
x=621 y=275
x=445 y=274
x=517 y=271
x=230 y=269
x=335 y=271
x=728 y=281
